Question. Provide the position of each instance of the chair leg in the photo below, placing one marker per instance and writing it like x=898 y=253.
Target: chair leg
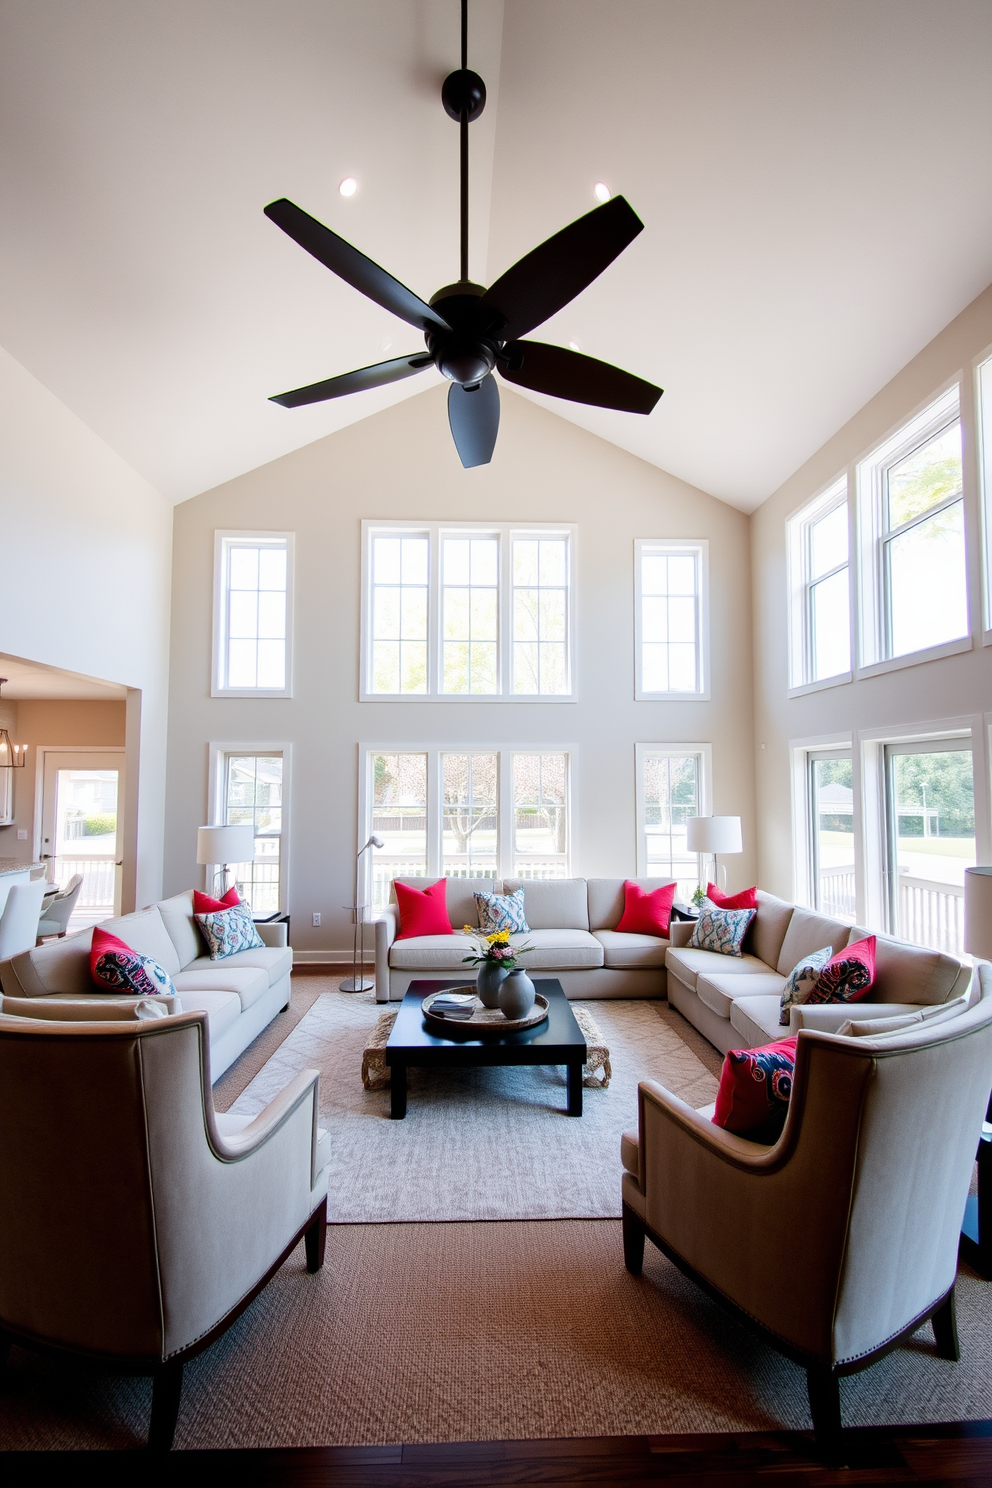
x=315 y=1238
x=945 y=1329
x=633 y=1241
x=166 y=1393
x=824 y=1407
x=4 y=1350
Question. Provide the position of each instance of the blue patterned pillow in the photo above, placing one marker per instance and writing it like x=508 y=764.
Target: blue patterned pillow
x=803 y=979
x=129 y=974
x=721 y=930
x=501 y=911
x=228 y=931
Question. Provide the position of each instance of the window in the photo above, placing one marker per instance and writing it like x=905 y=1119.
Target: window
x=252 y=589
x=459 y=613
x=913 y=531
x=830 y=794
x=820 y=584
x=252 y=791
x=930 y=839
x=670 y=621
x=466 y=813
x=671 y=787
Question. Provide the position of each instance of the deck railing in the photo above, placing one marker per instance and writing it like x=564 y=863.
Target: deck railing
x=931 y=913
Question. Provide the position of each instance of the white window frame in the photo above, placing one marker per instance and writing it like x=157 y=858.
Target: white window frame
x=937 y=414
x=983 y=453
x=435 y=798
x=434 y=531
x=217 y=756
x=224 y=540
x=643 y=752
x=661 y=547
x=801 y=585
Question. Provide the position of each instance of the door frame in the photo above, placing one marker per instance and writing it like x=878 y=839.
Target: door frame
x=41 y=750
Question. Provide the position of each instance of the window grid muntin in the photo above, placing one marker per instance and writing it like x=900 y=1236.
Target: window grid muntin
x=261 y=878
x=551 y=653
x=228 y=546
x=553 y=807
x=474 y=591
x=678 y=548
x=666 y=864
x=469 y=863
x=409 y=597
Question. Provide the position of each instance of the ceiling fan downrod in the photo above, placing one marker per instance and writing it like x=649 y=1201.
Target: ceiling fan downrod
x=463 y=94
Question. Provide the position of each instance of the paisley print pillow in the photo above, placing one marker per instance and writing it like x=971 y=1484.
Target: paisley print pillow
x=229 y=931
x=721 y=930
x=116 y=968
x=501 y=911
x=802 y=980
x=755 y=1090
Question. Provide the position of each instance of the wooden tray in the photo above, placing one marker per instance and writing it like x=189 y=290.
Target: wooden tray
x=483 y=1019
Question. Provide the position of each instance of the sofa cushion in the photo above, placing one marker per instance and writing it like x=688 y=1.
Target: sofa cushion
x=622 y=949
x=846 y=977
x=768 y=931
x=223 y=1009
x=275 y=961
x=718 y=993
x=248 y=984
x=558 y=950
x=605 y=897
x=907 y=973
x=687 y=964
x=809 y=932
x=646 y=911
x=433 y=952
x=553 y=903
x=462 y=909
x=177 y=917
x=756 y=1019
x=145 y=932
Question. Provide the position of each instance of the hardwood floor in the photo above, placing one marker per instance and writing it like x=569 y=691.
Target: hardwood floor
x=958 y=1453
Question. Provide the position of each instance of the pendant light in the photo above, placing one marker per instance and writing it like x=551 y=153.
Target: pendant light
x=12 y=756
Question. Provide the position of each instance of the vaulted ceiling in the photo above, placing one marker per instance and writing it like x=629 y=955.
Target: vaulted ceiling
x=813 y=180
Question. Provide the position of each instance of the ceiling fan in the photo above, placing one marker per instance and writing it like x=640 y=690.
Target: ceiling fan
x=469 y=331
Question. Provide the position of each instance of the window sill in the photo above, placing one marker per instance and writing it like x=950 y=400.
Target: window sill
x=839 y=680
x=250 y=692
x=915 y=658
x=467 y=697
x=671 y=697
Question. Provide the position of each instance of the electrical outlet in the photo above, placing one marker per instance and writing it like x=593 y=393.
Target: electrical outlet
x=22 y=834
x=316 y=918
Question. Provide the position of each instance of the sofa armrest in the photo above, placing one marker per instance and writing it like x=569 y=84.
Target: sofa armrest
x=680 y=932
x=828 y=1017
x=385 y=934
x=236 y=1146
x=85 y=1009
x=273 y=934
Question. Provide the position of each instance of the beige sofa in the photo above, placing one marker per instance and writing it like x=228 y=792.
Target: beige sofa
x=735 y=1001
x=240 y=994
x=573 y=936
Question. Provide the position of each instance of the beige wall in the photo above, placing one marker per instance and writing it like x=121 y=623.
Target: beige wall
x=86 y=546
x=950 y=688
x=401 y=464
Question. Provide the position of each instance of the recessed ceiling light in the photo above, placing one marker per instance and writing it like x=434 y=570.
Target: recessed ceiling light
x=601 y=191
x=349 y=186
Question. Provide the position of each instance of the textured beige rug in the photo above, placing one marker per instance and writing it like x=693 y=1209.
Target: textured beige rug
x=477 y=1144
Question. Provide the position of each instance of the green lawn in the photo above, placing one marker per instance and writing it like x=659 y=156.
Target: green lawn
x=941 y=847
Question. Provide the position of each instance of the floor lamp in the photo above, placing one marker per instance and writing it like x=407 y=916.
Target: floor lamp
x=358 y=981
x=976 y=1228
x=224 y=845
x=712 y=835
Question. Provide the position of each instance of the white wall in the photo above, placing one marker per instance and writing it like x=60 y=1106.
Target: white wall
x=953 y=687
x=401 y=464
x=86 y=546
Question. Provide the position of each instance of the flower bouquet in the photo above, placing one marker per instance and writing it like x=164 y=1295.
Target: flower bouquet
x=496 y=958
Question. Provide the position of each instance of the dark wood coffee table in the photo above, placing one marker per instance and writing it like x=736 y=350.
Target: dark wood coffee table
x=558 y=1040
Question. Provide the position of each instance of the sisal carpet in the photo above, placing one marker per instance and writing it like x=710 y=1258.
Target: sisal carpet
x=476 y=1144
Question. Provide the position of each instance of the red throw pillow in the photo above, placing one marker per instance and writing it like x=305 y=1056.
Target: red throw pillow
x=204 y=904
x=423 y=911
x=848 y=974
x=746 y=899
x=646 y=912
x=755 y=1089
x=104 y=941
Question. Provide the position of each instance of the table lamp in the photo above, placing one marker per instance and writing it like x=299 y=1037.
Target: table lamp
x=224 y=845
x=978 y=912
x=712 y=835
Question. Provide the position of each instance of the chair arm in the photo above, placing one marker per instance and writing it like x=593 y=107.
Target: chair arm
x=84 y=1010
x=829 y=1017
x=274 y=934
x=680 y=932
x=236 y=1146
x=385 y=934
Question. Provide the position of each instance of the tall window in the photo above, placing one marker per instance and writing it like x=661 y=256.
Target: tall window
x=830 y=795
x=253 y=585
x=670 y=618
x=671 y=787
x=466 y=813
x=253 y=792
x=821 y=613
x=912 y=493
x=985 y=444
x=930 y=832
x=467 y=612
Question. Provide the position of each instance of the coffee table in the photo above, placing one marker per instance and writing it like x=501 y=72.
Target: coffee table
x=558 y=1040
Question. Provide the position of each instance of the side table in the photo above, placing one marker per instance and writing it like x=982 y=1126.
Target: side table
x=273 y=919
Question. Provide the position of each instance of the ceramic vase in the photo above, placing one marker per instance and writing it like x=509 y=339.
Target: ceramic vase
x=516 y=995
x=488 y=982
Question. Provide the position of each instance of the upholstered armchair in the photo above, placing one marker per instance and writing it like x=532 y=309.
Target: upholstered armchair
x=840 y=1239
x=19 y=919
x=55 y=914
x=137 y=1223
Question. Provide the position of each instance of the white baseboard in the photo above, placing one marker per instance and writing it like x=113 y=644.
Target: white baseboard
x=328 y=957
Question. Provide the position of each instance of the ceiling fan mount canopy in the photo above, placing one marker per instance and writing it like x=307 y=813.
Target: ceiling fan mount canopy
x=463 y=90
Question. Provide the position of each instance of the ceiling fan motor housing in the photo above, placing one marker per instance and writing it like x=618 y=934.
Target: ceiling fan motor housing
x=463 y=89
x=468 y=352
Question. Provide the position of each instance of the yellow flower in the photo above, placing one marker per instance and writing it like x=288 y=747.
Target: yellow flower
x=499 y=937
x=467 y=929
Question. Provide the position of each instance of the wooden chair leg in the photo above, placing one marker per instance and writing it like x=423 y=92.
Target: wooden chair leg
x=824 y=1407
x=315 y=1239
x=633 y=1241
x=945 y=1329
x=166 y=1393
x=4 y=1350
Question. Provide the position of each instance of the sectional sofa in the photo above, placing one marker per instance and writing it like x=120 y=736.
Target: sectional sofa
x=240 y=994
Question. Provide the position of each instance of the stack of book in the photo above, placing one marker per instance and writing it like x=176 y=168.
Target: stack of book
x=458 y=1005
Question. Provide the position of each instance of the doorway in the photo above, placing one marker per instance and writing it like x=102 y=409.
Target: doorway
x=82 y=795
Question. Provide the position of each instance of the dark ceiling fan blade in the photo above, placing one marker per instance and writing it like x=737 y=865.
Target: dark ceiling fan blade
x=473 y=414
x=354 y=382
x=357 y=270
x=583 y=379
x=555 y=272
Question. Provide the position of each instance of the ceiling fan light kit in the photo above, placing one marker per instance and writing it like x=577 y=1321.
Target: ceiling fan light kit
x=470 y=332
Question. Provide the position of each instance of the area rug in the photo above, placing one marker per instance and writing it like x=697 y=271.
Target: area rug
x=477 y=1144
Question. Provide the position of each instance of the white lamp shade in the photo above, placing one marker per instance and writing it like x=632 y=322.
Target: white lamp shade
x=234 y=844
x=978 y=912
x=714 y=834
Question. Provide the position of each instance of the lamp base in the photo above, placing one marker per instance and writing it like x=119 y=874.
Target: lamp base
x=357 y=984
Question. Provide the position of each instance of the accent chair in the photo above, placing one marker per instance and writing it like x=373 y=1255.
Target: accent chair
x=55 y=914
